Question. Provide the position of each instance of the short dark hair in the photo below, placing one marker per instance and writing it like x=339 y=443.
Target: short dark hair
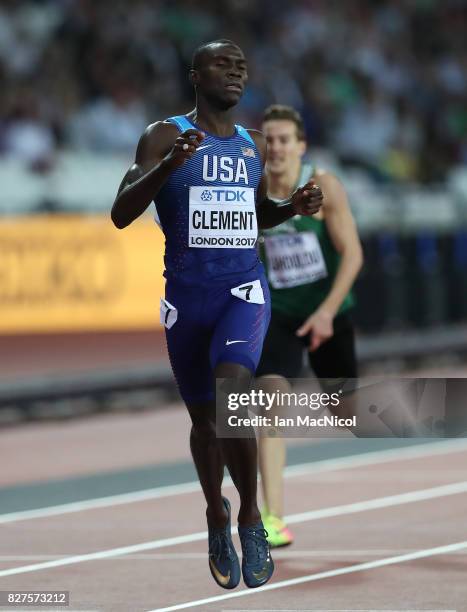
x=277 y=112
x=201 y=50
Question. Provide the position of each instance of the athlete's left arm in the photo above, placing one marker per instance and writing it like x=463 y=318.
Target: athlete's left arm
x=343 y=233
x=306 y=200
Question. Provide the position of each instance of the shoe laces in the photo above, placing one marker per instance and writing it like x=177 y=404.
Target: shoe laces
x=220 y=544
x=255 y=546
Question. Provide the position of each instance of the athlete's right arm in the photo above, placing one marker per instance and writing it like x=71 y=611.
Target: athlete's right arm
x=160 y=151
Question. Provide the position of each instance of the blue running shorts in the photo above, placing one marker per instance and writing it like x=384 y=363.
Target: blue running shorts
x=208 y=326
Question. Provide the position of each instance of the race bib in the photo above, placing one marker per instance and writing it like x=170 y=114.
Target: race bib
x=168 y=314
x=250 y=292
x=294 y=259
x=222 y=217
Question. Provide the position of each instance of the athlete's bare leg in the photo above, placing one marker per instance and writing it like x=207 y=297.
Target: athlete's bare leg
x=211 y=453
x=240 y=454
x=272 y=452
x=208 y=459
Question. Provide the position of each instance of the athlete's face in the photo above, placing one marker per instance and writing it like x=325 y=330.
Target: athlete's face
x=222 y=76
x=284 y=147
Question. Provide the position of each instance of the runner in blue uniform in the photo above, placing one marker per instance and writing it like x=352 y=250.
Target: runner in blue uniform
x=205 y=175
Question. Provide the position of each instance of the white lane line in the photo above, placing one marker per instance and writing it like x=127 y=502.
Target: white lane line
x=340 y=571
x=102 y=502
x=106 y=554
x=324 y=465
x=201 y=555
x=279 y=553
x=333 y=511
x=381 y=502
x=418 y=451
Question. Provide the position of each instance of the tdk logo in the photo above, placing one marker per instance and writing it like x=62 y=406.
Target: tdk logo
x=206 y=196
x=228 y=195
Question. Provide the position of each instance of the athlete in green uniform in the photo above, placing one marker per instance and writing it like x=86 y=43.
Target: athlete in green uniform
x=311 y=264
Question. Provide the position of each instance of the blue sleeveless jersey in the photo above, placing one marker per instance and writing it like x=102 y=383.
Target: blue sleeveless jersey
x=206 y=210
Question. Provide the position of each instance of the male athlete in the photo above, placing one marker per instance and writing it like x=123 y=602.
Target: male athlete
x=205 y=175
x=311 y=265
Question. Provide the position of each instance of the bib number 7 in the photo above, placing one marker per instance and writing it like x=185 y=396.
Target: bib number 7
x=251 y=292
x=247 y=289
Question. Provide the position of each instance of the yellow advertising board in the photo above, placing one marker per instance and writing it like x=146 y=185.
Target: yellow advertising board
x=72 y=273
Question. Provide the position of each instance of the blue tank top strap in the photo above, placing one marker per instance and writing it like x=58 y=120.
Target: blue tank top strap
x=181 y=122
x=243 y=132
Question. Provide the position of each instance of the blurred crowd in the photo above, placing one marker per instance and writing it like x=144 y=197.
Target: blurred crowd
x=382 y=83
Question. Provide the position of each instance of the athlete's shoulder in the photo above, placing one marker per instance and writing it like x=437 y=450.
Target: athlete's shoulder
x=160 y=129
x=156 y=141
x=257 y=136
x=324 y=177
x=259 y=140
x=333 y=190
x=321 y=172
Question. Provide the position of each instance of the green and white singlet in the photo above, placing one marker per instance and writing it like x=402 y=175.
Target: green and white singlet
x=301 y=262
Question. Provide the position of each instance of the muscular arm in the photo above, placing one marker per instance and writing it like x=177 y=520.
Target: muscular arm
x=343 y=233
x=269 y=213
x=158 y=154
x=146 y=176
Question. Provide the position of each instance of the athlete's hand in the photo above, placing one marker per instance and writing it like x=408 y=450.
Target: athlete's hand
x=319 y=326
x=184 y=147
x=307 y=200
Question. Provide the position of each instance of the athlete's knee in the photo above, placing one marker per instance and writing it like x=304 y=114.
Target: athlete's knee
x=232 y=382
x=272 y=386
x=233 y=371
x=203 y=416
x=203 y=421
x=203 y=431
x=273 y=382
